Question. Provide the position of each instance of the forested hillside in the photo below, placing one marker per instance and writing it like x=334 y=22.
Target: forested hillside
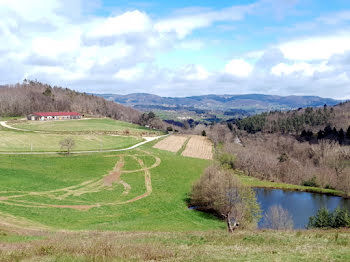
x=32 y=96
x=308 y=122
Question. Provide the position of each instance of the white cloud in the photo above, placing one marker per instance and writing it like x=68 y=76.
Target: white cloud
x=185 y=24
x=54 y=47
x=316 y=48
x=195 y=73
x=33 y=10
x=239 y=68
x=129 y=74
x=127 y=23
x=303 y=68
x=42 y=39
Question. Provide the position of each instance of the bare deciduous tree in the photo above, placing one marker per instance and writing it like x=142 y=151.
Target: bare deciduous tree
x=68 y=144
x=278 y=218
x=221 y=192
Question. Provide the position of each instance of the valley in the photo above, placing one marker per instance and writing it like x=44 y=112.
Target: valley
x=214 y=108
x=49 y=196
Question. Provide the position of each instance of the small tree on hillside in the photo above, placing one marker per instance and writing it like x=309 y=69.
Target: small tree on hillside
x=220 y=192
x=68 y=144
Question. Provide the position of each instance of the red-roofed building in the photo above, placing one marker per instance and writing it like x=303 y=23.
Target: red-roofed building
x=54 y=116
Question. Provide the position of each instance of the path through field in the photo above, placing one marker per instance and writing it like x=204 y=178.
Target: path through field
x=72 y=193
x=147 y=140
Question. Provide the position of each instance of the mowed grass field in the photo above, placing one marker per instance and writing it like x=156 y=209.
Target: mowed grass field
x=13 y=141
x=89 y=134
x=36 y=182
x=84 y=125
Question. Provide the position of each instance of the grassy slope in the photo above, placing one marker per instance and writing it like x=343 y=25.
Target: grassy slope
x=165 y=209
x=190 y=246
x=90 y=134
x=101 y=124
x=11 y=141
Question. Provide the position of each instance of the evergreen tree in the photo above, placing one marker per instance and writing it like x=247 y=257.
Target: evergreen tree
x=320 y=134
x=303 y=134
x=323 y=219
x=341 y=136
x=348 y=133
x=341 y=218
x=327 y=130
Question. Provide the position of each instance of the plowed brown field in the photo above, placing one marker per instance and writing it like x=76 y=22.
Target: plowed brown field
x=199 y=147
x=171 y=143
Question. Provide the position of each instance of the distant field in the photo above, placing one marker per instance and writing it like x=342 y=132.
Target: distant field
x=199 y=147
x=12 y=141
x=171 y=143
x=132 y=190
x=98 y=124
x=189 y=146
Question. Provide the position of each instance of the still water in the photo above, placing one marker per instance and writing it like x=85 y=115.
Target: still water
x=300 y=205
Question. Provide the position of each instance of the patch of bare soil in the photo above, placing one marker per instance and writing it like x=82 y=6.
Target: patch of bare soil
x=114 y=176
x=171 y=143
x=199 y=147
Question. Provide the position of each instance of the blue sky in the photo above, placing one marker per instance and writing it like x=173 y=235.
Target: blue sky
x=179 y=48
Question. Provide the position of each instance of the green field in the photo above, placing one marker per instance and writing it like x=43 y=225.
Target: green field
x=12 y=141
x=128 y=205
x=89 y=134
x=36 y=182
x=84 y=125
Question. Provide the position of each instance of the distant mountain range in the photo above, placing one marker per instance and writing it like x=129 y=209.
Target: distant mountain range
x=252 y=103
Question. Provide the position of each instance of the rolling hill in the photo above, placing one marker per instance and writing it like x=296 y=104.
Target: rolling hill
x=224 y=103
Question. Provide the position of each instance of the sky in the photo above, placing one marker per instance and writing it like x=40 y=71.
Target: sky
x=179 y=48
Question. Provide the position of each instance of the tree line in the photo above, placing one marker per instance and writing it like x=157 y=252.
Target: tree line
x=290 y=122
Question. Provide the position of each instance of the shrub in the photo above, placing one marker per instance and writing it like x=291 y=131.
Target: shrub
x=220 y=192
x=311 y=182
x=227 y=160
x=324 y=219
x=341 y=218
x=283 y=158
x=204 y=133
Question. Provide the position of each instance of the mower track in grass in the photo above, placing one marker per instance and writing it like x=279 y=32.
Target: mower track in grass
x=74 y=192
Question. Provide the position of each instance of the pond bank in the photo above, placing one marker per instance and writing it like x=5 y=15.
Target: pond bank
x=257 y=183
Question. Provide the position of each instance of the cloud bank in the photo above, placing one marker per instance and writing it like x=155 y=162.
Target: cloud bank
x=63 y=43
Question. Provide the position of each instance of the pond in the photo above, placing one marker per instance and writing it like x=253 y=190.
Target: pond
x=300 y=205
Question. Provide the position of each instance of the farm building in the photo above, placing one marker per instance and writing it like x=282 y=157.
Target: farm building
x=53 y=116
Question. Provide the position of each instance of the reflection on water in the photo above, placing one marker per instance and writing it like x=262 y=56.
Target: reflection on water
x=300 y=205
